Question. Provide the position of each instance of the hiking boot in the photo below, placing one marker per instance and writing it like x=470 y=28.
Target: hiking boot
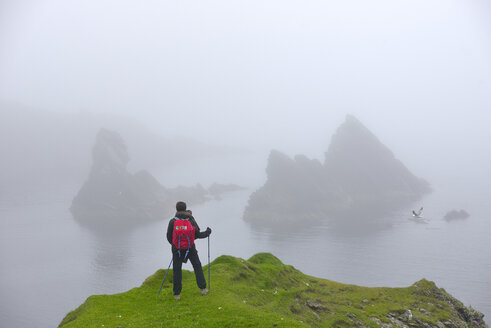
x=204 y=291
x=177 y=297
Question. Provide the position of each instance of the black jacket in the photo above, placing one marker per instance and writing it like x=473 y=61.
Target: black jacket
x=198 y=234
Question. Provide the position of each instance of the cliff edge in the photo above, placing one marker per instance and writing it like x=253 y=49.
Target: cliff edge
x=264 y=292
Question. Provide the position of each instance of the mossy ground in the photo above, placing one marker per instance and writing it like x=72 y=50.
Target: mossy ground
x=261 y=292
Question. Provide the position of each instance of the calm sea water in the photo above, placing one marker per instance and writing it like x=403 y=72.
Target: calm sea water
x=49 y=264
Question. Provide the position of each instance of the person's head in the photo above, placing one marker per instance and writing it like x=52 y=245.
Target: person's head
x=180 y=206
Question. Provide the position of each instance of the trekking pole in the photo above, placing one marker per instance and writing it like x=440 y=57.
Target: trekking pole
x=165 y=277
x=209 y=281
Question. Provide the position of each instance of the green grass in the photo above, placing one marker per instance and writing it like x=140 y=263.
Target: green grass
x=263 y=292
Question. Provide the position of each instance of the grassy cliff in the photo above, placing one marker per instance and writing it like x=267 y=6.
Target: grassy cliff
x=264 y=292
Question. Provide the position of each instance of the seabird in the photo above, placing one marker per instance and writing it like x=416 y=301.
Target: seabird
x=418 y=214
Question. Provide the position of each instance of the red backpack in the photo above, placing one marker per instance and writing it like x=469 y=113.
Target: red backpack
x=183 y=234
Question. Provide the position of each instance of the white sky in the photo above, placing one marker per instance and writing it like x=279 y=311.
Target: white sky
x=274 y=74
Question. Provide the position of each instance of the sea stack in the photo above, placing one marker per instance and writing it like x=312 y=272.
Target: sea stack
x=360 y=178
x=456 y=215
x=361 y=166
x=112 y=193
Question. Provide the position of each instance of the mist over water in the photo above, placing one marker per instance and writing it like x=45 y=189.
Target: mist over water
x=201 y=92
x=50 y=264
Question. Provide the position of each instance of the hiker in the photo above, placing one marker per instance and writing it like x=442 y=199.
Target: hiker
x=180 y=235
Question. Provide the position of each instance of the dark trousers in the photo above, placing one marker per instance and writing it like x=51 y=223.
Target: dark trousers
x=177 y=269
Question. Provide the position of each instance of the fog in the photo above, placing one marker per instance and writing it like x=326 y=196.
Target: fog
x=279 y=74
x=196 y=81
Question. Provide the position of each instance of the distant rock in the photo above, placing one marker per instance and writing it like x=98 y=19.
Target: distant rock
x=40 y=136
x=295 y=190
x=456 y=215
x=360 y=177
x=360 y=166
x=111 y=193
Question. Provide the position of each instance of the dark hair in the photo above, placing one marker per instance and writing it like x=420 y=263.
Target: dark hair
x=180 y=206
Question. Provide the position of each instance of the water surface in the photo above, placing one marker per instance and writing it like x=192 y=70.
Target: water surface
x=50 y=264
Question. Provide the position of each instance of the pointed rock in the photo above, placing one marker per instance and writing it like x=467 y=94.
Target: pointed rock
x=113 y=197
x=360 y=177
x=112 y=193
x=296 y=191
x=359 y=164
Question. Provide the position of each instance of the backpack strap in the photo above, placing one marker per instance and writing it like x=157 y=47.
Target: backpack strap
x=179 y=247
x=187 y=251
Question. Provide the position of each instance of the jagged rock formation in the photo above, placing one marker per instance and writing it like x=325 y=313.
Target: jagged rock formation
x=360 y=166
x=296 y=190
x=35 y=162
x=456 y=215
x=112 y=193
x=360 y=176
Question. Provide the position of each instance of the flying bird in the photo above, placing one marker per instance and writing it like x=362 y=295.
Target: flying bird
x=418 y=213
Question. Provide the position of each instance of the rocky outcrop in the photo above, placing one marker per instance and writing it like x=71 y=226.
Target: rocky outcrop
x=361 y=166
x=359 y=176
x=111 y=193
x=264 y=292
x=463 y=316
x=296 y=190
x=456 y=215
x=32 y=140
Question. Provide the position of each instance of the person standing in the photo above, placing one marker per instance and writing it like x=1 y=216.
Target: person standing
x=183 y=247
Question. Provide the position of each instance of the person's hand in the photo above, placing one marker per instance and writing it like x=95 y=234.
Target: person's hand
x=208 y=231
